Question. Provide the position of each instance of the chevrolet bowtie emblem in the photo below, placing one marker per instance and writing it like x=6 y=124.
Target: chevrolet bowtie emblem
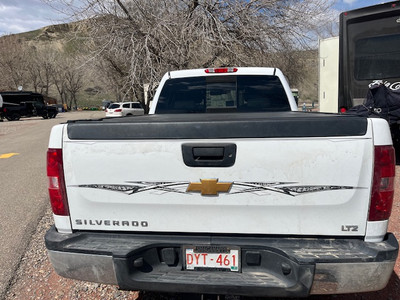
x=209 y=187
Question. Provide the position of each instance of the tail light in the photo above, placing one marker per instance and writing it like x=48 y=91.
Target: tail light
x=221 y=70
x=118 y=110
x=383 y=184
x=106 y=110
x=57 y=191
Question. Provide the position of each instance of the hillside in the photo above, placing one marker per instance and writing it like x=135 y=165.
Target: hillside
x=66 y=39
x=71 y=39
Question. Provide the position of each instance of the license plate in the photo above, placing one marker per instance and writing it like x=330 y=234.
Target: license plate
x=212 y=258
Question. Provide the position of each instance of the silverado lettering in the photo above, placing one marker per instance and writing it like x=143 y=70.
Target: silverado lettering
x=111 y=223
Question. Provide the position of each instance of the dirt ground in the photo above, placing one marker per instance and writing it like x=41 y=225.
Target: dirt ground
x=35 y=278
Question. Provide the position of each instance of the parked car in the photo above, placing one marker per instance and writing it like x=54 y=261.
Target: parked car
x=124 y=109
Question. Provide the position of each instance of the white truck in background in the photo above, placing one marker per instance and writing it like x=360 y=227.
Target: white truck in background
x=225 y=188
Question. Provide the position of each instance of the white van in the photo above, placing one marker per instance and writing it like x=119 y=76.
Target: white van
x=124 y=109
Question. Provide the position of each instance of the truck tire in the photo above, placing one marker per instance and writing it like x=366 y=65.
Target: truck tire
x=15 y=117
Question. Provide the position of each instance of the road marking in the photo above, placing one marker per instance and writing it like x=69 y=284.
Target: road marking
x=8 y=155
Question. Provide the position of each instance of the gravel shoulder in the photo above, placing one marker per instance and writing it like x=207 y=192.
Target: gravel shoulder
x=35 y=278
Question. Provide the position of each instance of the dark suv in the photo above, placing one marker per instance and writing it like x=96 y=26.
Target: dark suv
x=25 y=104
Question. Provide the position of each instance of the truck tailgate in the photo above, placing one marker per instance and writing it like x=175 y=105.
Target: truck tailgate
x=288 y=173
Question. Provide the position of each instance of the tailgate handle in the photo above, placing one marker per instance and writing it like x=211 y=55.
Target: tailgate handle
x=209 y=155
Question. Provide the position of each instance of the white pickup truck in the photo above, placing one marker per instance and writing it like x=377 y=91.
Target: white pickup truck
x=225 y=188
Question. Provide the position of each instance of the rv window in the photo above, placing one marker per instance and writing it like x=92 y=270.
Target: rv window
x=377 y=57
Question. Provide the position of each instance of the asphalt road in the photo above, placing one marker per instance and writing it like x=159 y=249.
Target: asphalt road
x=23 y=185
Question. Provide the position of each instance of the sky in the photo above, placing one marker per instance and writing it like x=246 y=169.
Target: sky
x=26 y=15
x=344 y=5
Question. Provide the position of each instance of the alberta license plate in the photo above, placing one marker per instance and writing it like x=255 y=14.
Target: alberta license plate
x=212 y=258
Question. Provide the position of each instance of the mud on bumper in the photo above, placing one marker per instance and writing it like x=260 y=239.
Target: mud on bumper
x=276 y=267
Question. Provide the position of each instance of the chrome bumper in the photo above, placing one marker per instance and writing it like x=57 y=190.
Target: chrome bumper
x=136 y=262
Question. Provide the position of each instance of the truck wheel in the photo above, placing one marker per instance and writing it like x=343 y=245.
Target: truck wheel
x=45 y=116
x=15 y=117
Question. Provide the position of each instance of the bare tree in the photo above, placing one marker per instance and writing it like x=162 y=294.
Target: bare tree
x=58 y=78
x=40 y=68
x=33 y=74
x=47 y=60
x=73 y=82
x=139 y=40
x=13 y=62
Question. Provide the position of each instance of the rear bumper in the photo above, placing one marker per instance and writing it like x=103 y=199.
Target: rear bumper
x=108 y=115
x=277 y=267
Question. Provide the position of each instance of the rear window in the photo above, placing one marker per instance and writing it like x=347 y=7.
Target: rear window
x=246 y=93
x=114 y=106
x=377 y=57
